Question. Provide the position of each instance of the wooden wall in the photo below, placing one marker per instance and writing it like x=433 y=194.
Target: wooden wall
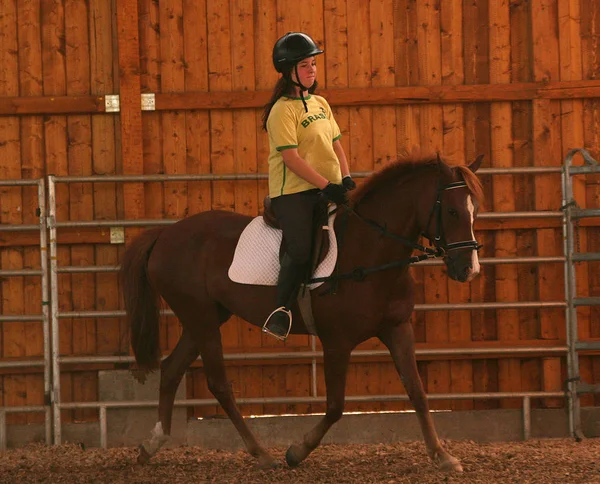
x=515 y=81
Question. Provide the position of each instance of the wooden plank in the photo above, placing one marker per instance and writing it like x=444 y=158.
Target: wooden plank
x=381 y=16
x=274 y=385
x=55 y=137
x=251 y=386
x=360 y=96
x=195 y=46
x=407 y=74
x=509 y=376
x=244 y=152
x=173 y=126
x=150 y=79
x=12 y=302
x=265 y=79
x=151 y=132
x=477 y=141
x=32 y=166
x=131 y=137
x=572 y=136
x=79 y=154
x=197 y=124
x=200 y=390
x=297 y=384
x=431 y=136
x=408 y=133
x=221 y=141
x=546 y=141
x=11 y=105
x=110 y=331
x=361 y=56
x=482 y=93
x=522 y=126
x=452 y=73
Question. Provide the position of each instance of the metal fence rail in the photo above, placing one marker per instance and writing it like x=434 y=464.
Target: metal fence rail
x=43 y=317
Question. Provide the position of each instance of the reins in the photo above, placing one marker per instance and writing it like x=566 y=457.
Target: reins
x=440 y=249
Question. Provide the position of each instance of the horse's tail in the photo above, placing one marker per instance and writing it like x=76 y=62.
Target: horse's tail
x=141 y=302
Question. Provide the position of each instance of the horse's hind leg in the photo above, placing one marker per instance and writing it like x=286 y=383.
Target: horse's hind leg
x=211 y=350
x=172 y=370
x=400 y=341
x=336 y=366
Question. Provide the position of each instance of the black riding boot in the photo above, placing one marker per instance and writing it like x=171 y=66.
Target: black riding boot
x=291 y=274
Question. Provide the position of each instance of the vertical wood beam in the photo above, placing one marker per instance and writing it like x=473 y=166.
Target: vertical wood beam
x=130 y=97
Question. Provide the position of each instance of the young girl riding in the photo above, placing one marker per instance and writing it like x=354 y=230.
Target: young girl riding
x=306 y=161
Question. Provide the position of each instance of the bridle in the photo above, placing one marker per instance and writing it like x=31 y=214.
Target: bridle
x=439 y=241
x=441 y=248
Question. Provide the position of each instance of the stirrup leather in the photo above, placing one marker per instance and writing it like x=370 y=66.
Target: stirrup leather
x=265 y=329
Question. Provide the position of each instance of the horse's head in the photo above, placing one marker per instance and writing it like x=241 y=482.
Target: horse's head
x=448 y=223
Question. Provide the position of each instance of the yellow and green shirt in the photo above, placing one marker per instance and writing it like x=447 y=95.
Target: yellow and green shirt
x=312 y=133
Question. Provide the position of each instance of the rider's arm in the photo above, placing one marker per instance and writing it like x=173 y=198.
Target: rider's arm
x=339 y=151
x=296 y=163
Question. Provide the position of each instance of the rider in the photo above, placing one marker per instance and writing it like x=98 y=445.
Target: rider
x=306 y=160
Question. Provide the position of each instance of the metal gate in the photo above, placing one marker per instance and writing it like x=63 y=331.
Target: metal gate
x=572 y=214
x=42 y=316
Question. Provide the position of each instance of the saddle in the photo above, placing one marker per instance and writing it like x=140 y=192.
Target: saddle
x=320 y=245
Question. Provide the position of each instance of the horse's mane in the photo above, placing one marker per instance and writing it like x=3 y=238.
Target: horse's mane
x=411 y=168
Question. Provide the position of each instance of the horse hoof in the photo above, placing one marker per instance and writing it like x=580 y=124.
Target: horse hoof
x=266 y=463
x=451 y=465
x=143 y=456
x=293 y=456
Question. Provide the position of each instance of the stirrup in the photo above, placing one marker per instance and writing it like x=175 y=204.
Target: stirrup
x=265 y=329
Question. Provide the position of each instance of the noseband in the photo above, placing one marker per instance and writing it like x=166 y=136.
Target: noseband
x=439 y=241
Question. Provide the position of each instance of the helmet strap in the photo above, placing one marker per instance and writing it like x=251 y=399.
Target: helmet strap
x=302 y=88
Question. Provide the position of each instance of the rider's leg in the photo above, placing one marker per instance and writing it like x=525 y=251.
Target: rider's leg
x=295 y=215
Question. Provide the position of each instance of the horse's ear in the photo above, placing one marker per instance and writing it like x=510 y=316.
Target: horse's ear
x=476 y=164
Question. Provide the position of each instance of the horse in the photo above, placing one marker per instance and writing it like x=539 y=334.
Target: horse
x=187 y=265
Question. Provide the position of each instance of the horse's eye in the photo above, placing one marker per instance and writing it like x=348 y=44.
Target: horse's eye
x=453 y=212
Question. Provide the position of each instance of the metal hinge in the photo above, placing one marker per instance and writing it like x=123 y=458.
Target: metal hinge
x=112 y=103
x=148 y=101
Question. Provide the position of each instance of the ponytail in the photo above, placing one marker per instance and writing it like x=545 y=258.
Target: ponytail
x=283 y=85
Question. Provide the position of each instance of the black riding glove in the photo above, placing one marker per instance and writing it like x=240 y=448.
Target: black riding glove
x=348 y=183
x=335 y=193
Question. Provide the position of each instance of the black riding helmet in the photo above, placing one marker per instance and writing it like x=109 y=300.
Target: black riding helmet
x=291 y=49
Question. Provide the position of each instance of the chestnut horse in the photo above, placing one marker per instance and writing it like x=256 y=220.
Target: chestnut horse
x=187 y=264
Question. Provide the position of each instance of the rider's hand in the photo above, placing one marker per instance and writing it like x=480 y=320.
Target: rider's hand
x=348 y=183
x=335 y=193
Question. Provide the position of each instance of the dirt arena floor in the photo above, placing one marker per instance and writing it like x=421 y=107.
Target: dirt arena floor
x=546 y=461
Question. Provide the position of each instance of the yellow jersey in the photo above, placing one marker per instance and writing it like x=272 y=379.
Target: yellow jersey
x=312 y=133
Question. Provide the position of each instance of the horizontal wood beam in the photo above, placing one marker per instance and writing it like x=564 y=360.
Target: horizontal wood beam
x=378 y=96
x=11 y=106
x=375 y=96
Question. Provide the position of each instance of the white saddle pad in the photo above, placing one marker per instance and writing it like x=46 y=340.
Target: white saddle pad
x=256 y=258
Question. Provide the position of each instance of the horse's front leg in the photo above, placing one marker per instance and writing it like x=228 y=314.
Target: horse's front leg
x=400 y=341
x=336 y=366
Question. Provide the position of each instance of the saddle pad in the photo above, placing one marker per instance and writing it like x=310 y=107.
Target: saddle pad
x=256 y=258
